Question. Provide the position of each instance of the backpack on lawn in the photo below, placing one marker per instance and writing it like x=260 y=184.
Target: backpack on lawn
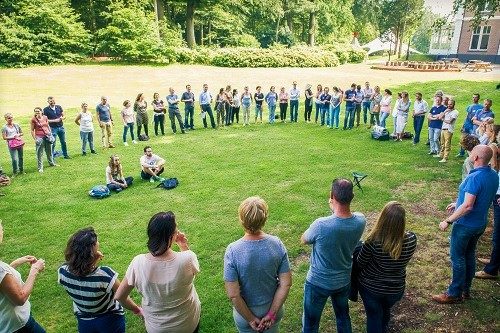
x=380 y=133
x=168 y=184
x=143 y=137
x=99 y=192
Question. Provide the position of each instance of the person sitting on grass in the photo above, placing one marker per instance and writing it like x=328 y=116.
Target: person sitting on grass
x=152 y=165
x=115 y=180
x=92 y=287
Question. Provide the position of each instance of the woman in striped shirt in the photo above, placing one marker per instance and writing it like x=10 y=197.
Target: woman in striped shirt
x=92 y=287
x=382 y=262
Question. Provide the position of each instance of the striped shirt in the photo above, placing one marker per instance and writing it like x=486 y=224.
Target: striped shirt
x=381 y=274
x=92 y=295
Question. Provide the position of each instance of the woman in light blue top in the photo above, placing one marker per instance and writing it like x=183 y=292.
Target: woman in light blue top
x=246 y=102
x=271 y=99
x=335 y=102
x=256 y=272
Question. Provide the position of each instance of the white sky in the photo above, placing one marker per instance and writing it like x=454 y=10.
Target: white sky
x=440 y=6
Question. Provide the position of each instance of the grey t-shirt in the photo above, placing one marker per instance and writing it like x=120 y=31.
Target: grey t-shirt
x=333 y=240
x=256 y=265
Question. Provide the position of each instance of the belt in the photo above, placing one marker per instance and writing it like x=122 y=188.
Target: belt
x=444 y=129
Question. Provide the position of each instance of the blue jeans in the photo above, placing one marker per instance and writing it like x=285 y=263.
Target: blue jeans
x=272 y=112
x=87 y=137
x=334 y=116
x=109 y=323
x=383 y=117
x=323 y=111
x=463 y=242
x=318 y=109
x=418 y=123
x=125 y=129
x=434 y=136
x=294 y=110
x=349 y=117
x=118 y=188
x=314 y=301
x=229 y=113
x=189 y=116
x=258 y=111
x=61 y=133
x=208 y=109
x=494 y=265
x=378 y=309
x=16 y=156
x=31 y=327
x=327 y=115
x=159 y=121
x=366 y=109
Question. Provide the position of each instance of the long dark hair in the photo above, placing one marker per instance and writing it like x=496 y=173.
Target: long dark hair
x=81 y=252
x=161 y=232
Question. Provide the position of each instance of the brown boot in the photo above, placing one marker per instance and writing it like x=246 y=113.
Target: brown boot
x=444 y=298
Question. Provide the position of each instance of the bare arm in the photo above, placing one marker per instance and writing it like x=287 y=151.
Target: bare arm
x=233 y=292
x=279 y=298
x=128 y=303
x=77 y=120
x=458 y=212
x=16 y=293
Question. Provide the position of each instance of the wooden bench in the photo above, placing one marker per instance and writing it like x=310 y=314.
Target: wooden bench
x=482 y=65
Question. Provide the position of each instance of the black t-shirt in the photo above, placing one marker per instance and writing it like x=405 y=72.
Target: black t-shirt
x=258 y=96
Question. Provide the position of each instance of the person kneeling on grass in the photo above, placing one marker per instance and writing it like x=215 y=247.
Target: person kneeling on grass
x=115 y=180
x=92 y=287
x=152 y=165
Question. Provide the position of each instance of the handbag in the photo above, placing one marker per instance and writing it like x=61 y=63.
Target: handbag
x=50 y=138
x=15 y=143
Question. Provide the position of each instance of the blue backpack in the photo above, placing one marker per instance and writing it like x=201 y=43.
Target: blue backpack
x=99 y=192
x=169 y=183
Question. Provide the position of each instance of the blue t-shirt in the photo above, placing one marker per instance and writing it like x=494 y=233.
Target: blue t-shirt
x=483 y=183
x=326 y=99
x=256 y=265
x=104 y=112
x=188 y=95
x=471 y=112
x=435 y=110
x=481 y=114
x=271 y=98
x=171 y=99
x=333 y=240
x=53 y=114
x=350 y=93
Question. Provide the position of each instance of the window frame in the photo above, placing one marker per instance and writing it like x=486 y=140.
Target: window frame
x=480 y=35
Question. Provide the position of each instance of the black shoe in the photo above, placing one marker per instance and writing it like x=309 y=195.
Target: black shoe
x=93 y=152
x=183 y=132
x=84 y=154
x=192 y=128
x=67 y=157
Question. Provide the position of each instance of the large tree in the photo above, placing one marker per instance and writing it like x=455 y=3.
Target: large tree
x=482 y=9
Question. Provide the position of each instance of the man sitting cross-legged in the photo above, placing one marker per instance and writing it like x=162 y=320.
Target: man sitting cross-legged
x=152 y=165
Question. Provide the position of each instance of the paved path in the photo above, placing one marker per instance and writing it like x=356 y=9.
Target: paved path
x=23 y=89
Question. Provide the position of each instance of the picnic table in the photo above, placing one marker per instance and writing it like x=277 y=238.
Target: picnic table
x=482 y=65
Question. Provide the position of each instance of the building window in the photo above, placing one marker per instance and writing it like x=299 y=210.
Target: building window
x=480 y=38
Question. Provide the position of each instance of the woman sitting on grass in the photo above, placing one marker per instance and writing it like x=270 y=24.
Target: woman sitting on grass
x=164 y=278
x=15 y=308
x=92 y=287
x=256 y=272
x=115 y=180
x=382 y=262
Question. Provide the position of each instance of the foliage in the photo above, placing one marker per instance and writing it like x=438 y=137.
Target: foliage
x=17 y=47
x=480 y=8
x=421 y=40
x=131 y=35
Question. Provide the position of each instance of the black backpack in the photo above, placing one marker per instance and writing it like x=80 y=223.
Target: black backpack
x=143 y=137
x=168 y=184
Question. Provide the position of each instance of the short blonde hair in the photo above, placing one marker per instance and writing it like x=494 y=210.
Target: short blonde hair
x=253 y=213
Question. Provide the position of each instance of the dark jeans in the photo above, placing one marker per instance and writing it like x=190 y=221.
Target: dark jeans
x=159 y=120
x=147 y=176
x=494 y=265
x=125 y=129
x=308 y=110
x=208 y=109
x=61 y=133
x=189 y=116
x=358 y=113
x=110 y=323
x=31 y=327
x=349 y=117
x=374 y=119
x=235 y=113
x=172 y=114
x=283 y=107
x=366 y=109
x=139 y=128
x=294 y=110
x=314 y=301
x=318 y=109
x=229 y=113
x=378 y=309
x=463 y=241
x=418 y=123
x=117 y=188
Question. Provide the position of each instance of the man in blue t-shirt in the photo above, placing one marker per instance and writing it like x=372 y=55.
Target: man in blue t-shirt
x=103 y=111
x=469 y=218
x=468 y=125
x=188 y=99
x=333 y=239
x=485 y=114
x=55 y=114
x=350 y=106
x=205 y=100
x=435 y=124
x=173 y=111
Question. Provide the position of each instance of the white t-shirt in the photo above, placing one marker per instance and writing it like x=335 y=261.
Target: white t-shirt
x=86 y=124
x=169 y=299
x=12 y=317
x=110 y=177
x=150 y=161
x=450 y=116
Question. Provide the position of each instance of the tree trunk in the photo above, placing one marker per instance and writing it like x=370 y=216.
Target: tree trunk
x=201 y=35
x=288 y=16
x=277 y=30
x=408 y=49
x=190 y=5
x=209 y=32
x=312 y=28
x=401 y=35
x=159 y=9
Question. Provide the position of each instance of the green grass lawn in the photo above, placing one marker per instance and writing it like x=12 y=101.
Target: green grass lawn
x=291 y=166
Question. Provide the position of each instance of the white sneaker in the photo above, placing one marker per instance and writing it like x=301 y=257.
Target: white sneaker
x=437 y=155
x=134 y=142
x=442 y=161
x=125 y=144
x=40 y=170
